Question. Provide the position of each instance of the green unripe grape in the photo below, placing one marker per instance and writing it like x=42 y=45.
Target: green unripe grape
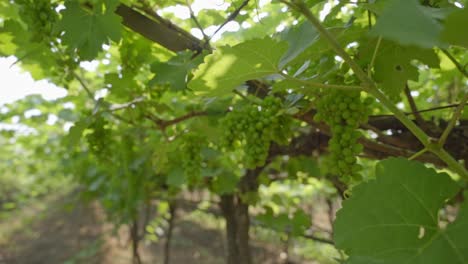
x=346 y=135
x=357 y=148
x=347 y=151
x=43 y=16
x=356 y=168
x=337 y=119
x=342 y=165
x=342 y=106
x=368 y=101
x=343 y=111
x=353 y=106
x=351 y=122
x=350 y=159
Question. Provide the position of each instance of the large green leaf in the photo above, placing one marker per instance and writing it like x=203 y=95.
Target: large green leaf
x=407 y=22
x=175 y=71
x=394 y=218
x=120 y=84
x=87 y=30
x=452 y=32
x=299 y=39
x=229 y=67
x=393 y=65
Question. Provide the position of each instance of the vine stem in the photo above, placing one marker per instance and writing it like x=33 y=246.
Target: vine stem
x=84 y=86
x=417 y=154
x=453 y=121
x=321 y=85
x=197 y=23
x=374 y=55
x=460 y=67
x=369 y=86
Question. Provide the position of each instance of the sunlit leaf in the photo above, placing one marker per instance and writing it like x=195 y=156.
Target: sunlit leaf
x=228 y=67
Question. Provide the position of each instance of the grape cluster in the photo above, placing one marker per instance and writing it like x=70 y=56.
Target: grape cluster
x=343 y=111
x=99 y=138
x=254 y=127
x=40 y=17
x=130 y=55
x=191 y=156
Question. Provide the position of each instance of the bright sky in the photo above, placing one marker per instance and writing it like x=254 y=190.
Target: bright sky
x=16 y=84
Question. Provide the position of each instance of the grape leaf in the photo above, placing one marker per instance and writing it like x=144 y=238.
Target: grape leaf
x=35 y=57
x=175 y=71
x=394 y=218
x=299 y=39
x=393 y=67
x=320 y=48
x=76 y=131
x=229 y=67
x=87 y=30
x=407 y=22
x=8 y=10
x=225 y=183
x=295 y=224
x=120 y=84
x=176 y=178
x=451 y=32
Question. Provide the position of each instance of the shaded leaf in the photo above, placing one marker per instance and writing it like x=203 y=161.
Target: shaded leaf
x=299 y=39
x=120 y=84
x=176 y=178
x=407 y=22
x=393 y=65
x=225 y=183
x=175 y=71
x=87 y=30
x=76 y=131
x=394 y=218
x=452 y=32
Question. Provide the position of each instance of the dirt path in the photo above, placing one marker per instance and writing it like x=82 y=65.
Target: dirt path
x=55 y=234
x=67 y=231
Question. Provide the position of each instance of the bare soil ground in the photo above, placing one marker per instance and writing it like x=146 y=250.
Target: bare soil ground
x=70 y=232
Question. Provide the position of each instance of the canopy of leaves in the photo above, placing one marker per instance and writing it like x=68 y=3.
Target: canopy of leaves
x=150 y=94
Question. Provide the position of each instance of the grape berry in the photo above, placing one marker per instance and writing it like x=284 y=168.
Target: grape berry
x=40 y=17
